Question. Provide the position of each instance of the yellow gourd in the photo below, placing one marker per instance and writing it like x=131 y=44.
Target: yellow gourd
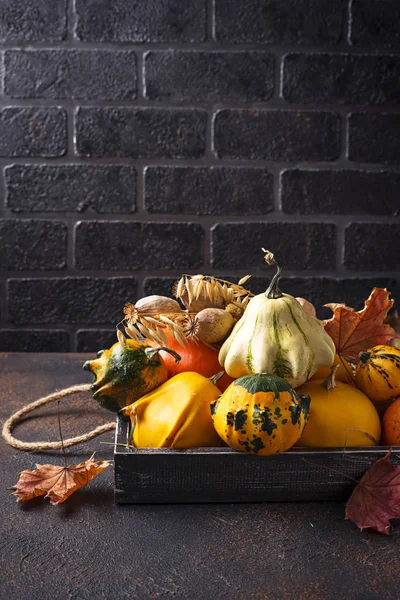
x=277 y=337
x=176 y=414
x=344 y=372
x=378 y=373
x=336 y=411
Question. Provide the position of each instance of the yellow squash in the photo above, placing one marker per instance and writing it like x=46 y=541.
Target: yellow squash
x=378 y=373
x=344 y=372
x=176 y=414
x=340 y=415
x=276 y=336
x=260 y=414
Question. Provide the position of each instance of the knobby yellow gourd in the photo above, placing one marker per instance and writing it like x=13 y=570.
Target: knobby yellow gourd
x=176 y=414
x=260 y=414
x=340 y=415
x=276 y=336
x=378 y=373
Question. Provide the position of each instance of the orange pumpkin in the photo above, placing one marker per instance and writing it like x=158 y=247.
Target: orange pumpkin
x=391 y=425
x=195 y=357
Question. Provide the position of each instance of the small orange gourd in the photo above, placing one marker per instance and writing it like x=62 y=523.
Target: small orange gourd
x=378 y=373
x=195 y=356
x=340 y=415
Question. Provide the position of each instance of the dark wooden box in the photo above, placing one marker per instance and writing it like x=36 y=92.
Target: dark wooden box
x=163 y=475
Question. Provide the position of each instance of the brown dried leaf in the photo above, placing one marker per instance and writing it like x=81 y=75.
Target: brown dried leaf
x=244 y=279
x=354 y=332
x=57 y=483
x=121 y=337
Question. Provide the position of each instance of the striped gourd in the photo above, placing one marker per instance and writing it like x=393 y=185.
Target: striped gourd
x=276 y=336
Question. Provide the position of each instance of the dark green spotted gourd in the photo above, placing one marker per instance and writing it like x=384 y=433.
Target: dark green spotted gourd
x=124 y=373
x=260 y=414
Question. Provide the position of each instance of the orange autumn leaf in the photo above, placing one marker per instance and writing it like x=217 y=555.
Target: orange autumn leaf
x=356 y=331
x=57 y=483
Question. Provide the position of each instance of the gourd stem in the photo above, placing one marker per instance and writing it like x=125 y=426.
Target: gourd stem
x=150 y=352
x=330 y=381
x=215 y=378
x=364 y=356
x=273 y=290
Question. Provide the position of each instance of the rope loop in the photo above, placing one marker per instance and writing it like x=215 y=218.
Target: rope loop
x=15 y=418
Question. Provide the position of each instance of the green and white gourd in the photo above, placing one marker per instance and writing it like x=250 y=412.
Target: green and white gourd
x=277 y=337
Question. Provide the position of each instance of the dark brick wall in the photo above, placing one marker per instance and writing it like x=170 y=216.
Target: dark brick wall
x=143 y=138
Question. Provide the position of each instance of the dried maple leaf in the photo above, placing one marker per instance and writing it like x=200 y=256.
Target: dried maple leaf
x=57 y=483
x=376 y=499
x=354 y=332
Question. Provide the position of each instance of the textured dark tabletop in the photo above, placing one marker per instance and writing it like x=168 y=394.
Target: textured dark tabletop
x=90 y=548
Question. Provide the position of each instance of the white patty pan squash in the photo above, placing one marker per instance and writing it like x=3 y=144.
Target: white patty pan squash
x=277 y=337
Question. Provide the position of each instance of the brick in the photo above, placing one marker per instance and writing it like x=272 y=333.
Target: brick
x=93 y=340
x=162 y=286
x=374 y=138
x=14 y=340
x=33 y=131
x=372 y=246
x=277 y=135
x=141 y=21
x=208 y=190
x=24 y=20
x=97 y=301
x=340 y=192
x=375 y=22
x=322 y=290
x=237 y=245
x=209 y=76
x=71 y=188
x=30 y=245
x=341 y=78
x=83 y=74
x=118 y=245
x=141 y=133
x=279 y=21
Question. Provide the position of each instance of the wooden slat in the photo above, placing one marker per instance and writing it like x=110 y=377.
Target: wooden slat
x=163 y=475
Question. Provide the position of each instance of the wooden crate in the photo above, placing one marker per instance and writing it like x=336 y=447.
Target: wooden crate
x=163 y=475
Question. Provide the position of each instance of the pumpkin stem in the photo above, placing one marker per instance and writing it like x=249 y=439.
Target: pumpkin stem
x=150 y=352
x=215 y=378
x=330 y=381
x=364 y=356
x=273 y=290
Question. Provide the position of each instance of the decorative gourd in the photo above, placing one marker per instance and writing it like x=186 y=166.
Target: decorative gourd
x=391 y=425
x=176 y=414
x=275 y=336
x=378 y=373
x=126 y=372
x=260 y=414
x=337 y=410
x=344 y=372
x=194 y=357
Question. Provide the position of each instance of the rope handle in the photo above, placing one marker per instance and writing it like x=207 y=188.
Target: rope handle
x=12 y=421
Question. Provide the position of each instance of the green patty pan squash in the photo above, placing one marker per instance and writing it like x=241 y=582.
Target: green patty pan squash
x=124 y=373
x=176 y=414
x=260 y=414
x=276 y=336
